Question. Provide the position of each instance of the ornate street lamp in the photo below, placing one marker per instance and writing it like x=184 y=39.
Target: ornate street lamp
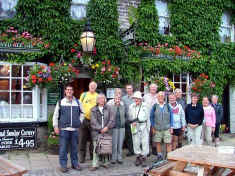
x=88 y=38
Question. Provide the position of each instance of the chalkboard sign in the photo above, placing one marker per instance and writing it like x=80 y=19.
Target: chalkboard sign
x=18 y=138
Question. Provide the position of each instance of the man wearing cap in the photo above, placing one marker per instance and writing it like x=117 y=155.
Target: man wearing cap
x=140 y=127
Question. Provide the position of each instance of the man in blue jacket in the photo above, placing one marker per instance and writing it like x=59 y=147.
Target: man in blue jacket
x=66 y=121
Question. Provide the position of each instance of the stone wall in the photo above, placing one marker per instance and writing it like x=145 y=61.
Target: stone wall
x=123 y=6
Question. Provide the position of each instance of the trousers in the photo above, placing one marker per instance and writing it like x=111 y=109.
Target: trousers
x=194 y=135
x=117 y=143
x=68 y=139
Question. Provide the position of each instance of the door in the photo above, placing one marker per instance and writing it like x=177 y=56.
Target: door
x=80 y=85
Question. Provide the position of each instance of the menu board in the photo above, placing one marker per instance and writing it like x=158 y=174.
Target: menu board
x=18 y=138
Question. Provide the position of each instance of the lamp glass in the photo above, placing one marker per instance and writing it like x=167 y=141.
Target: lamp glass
x=88 y=41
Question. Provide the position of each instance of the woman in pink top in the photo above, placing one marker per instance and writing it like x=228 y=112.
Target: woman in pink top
x=209 y=120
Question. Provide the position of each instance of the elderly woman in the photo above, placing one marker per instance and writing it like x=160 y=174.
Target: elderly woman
x=102 y=121
x=140 y=127
x=119 y=112
x=209 y=120
x=117 y=93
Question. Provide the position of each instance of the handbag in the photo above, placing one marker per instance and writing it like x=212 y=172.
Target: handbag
x=104 y=144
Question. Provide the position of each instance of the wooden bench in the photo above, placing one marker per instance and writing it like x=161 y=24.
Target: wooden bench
x=162 y=170
x=7 y=168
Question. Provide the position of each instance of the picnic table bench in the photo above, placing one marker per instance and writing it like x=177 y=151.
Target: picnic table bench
x=7 y=168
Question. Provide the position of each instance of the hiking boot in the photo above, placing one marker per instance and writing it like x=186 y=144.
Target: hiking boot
x=138 y=161
x=143 y=159
x=64 y=170
x=78 y=168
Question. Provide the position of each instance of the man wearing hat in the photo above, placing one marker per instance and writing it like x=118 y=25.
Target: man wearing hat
x=140 y=127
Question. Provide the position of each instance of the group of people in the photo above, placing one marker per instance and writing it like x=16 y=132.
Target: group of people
x=134 y=119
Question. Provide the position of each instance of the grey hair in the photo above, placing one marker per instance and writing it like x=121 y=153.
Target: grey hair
x=178 y=90
x=153 y=84
x=93 y=82
x=117 y=90
x=214 y=95
x=101 y=95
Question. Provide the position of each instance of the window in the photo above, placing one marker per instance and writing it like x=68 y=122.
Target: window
x=226 y=29
x=182 y=81
x=7 y=8
x=163 y=14
x=78 y=9
x=18 y=103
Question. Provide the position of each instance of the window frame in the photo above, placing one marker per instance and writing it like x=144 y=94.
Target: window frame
x=230 y=27
x=12 y=9
x=36 y=107
x=166 y=18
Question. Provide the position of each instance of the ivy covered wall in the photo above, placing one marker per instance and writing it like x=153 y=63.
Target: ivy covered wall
x=194 y=23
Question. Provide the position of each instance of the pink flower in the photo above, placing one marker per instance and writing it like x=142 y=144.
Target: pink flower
x=79 y=55
x=103 y=69
x=166 y=44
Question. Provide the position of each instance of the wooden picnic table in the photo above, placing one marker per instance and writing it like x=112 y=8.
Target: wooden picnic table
x=7 y=168
x=210 y=161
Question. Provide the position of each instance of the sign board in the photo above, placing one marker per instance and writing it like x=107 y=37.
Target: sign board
x=110 y=92
x=52 y=98
x=18 y=138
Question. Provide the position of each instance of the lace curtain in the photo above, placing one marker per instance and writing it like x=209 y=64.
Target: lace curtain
x=78 y=9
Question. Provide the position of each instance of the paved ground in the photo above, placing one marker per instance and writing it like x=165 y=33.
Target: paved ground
x=45 y=164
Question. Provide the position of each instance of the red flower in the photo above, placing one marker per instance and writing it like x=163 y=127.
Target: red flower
x=75 y=45
x=34 y=81
x=52 y=64
x=178 y=51
x=157 y=51
x=40 y=80
x=103 y=62
x=73 y=61
x=34 y=77
x=114 y=75
x=73 y=50
x=39 y=72
x=108 y=62
x=49 y=78
x=166 y=44
x=94 y=51
x=186 y=47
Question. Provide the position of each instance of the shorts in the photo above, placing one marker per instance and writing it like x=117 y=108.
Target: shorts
x=164 y=135
x=177 y=132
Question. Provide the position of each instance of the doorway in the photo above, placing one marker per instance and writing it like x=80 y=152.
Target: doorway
x=80 y=85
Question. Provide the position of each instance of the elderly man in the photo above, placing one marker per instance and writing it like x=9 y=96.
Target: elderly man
x=219 y=116
x=150 y=99
x=127 y=100
x=88 y=100
x=140 y=126
x=194 y=116
x=162 y=124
